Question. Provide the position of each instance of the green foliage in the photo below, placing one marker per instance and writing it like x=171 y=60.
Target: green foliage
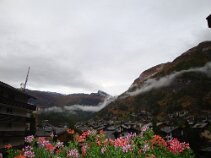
x=91 y=144
x=41 y=153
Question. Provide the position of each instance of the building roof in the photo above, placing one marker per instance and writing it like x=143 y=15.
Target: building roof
x=200 y=125
x=7 y=86
x=47 y=129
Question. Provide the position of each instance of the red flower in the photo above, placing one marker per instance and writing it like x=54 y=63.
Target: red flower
x=84 y=149
x=111 y=142
x=140 y=151
x=8 y=146
x=79 y=139
x=20 y=156
x=120 y=142
x=175 y=146
x=58 y=151
x=69 y=131
x=85 y=134
x=49 y=147
x=101 y=132
x=98 y=143
x=158 y=140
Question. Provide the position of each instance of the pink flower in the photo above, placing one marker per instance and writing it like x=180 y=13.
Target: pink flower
x=29 y=139
x=84 y=149
x=92 y=132
x=127 y=148
x=130 y=136
x=42 y=141
x=145 y=128
x=101 y=132
x=73 y=153
x=103 y=150
x=28 y=152
x=145 y=148
x=59 y=144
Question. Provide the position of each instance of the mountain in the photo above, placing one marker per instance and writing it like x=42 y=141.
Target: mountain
x=60 y=109
x=50 y=99
x=183 y=84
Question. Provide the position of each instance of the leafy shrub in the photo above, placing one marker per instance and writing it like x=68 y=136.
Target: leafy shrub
x=95 y=144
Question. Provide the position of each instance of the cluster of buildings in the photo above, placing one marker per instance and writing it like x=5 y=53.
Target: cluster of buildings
x=115 y=127
x=135 y=121
x=180 y=124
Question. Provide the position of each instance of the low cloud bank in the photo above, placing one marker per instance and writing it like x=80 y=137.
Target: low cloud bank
x=167 y=80
x=85 y=108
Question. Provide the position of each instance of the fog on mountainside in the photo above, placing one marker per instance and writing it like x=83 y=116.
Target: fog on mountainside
x=85 y=108
x=154 y=83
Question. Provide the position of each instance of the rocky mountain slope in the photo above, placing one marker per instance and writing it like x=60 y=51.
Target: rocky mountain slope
x=184 y=83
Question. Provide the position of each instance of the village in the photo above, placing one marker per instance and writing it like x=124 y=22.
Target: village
x=137 y=121
x=180 y=124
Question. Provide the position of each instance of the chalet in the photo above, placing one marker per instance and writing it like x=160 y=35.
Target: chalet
x=209 y=21
x=168 y=129
x=50 y=131
x=200 y=125
x=16 y=115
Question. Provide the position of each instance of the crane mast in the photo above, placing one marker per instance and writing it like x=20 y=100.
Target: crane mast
x=27 y=76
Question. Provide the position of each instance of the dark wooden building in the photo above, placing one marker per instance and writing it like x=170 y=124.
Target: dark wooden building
x=16 y=115
x=209 y=21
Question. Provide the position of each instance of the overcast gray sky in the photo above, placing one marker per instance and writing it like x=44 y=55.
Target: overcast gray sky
x=77 y=46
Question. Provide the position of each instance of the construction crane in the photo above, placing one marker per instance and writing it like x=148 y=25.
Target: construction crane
x=209 y=21
x=23 y=85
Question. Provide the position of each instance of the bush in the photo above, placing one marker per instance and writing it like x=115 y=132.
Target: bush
x=95 y=144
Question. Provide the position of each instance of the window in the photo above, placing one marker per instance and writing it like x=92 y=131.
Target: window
x=11 y=96
x=1 y=92
x=9 y=110
x=9 y=125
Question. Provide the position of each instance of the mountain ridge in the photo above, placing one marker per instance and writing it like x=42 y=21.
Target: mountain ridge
x=47 y=99
x=186 y=91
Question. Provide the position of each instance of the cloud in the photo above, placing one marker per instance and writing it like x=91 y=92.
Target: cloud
x=83 y=46
x=155 y=83
x=85 y=108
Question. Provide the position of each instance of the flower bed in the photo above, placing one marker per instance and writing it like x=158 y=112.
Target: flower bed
x=93 y=144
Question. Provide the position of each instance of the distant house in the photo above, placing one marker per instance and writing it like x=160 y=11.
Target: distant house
x=16 y=115
x=200 y=125
x=209 y=21
x=48 y=130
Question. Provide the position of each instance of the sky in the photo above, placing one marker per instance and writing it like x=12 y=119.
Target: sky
x=82 y=46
